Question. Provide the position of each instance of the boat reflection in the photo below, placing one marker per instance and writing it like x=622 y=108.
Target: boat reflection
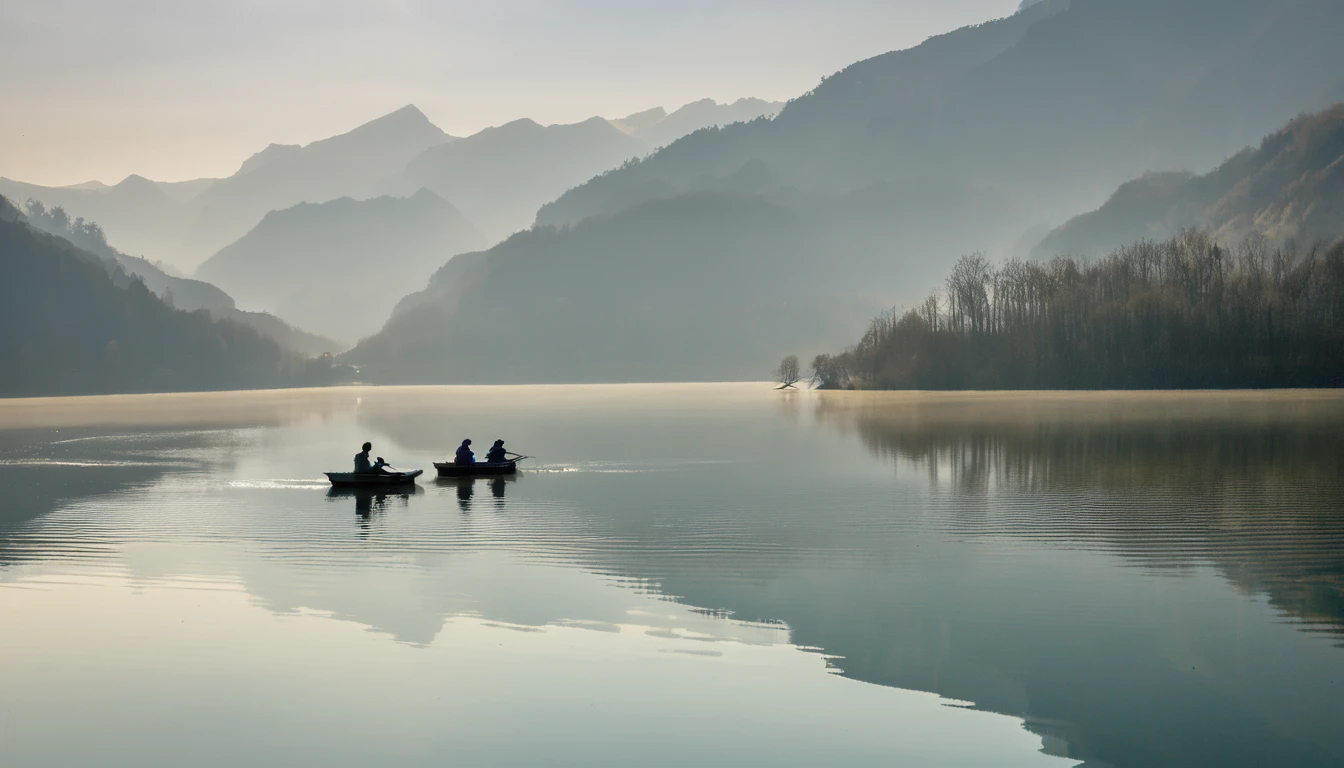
x=1101 y=566
x=370 y=501
x=465 y=488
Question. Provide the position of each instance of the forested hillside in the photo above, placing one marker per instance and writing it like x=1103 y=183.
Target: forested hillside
x=1186 y=313
x=182 y=293
x=144 y=217
x=10 y=212
x=1291 y=187
x=66 y=327
x=177 y=292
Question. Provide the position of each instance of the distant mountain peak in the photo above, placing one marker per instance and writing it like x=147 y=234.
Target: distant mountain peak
x=655 y=114
x=640 y=121
x=141 y=187
x=752 y=101
x=406 y=119
x=512 y=130
x=427 y=195
x=522 y=123
x=410 y=110
x=405 y=124
x=596 y=122
x=409 y=113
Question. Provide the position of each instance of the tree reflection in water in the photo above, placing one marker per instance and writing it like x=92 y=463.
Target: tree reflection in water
x=1254 y=488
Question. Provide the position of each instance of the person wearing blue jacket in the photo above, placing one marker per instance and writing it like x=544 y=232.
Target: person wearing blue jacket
x=464 y=454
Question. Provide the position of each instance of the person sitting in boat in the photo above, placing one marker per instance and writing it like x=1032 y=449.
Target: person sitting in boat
x=464 y=454
x=497 y=453
x=362 y=465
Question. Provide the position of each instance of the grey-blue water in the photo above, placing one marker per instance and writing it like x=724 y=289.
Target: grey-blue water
x=716 y=575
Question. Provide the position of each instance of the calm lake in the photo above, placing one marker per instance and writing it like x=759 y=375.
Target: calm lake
x=686 y=575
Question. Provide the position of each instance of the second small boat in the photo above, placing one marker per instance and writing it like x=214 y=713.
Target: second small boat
x=453 y=469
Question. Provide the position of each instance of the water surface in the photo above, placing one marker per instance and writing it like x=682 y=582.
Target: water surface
x=686 y=575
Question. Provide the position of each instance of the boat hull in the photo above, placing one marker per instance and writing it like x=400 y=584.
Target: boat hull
x=372 y=480
x=452 y=469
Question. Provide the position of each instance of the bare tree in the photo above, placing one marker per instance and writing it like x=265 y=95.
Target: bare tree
x=788 y=373
x=1181 y=313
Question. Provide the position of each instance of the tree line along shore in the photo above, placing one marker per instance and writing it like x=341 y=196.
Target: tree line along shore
x=1184 y=313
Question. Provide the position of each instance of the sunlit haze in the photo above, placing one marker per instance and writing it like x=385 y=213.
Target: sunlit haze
x=97 y=90
x=711 y=383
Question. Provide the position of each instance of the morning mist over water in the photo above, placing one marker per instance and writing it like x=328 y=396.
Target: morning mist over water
x=824 y=561
x=389 y=383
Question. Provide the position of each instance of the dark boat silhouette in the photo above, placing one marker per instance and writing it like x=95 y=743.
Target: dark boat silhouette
x=372 y=479
x=453 y=469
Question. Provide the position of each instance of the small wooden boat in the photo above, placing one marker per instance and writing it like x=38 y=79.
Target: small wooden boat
x=453 y=469
x=372 y=479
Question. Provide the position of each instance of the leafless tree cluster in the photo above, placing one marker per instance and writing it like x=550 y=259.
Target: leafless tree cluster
x=789 y=372
x=1185 y=313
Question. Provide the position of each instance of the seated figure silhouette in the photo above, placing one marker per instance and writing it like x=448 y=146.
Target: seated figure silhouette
x=464 y=453
x=362 y=465
x=497 y=453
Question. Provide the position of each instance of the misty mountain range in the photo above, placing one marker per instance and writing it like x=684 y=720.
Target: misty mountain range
x=731 y=247
x=339 y=267
x=750 y=235
x=501 y=176
x=185 y=223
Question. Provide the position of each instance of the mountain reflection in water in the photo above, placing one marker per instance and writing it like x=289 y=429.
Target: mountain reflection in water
x=1145 y=580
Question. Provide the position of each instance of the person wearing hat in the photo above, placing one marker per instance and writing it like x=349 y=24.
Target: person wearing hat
x=497 y=453
x=464 y=454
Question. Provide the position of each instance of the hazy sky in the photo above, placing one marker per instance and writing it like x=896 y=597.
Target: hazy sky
x=176 y=89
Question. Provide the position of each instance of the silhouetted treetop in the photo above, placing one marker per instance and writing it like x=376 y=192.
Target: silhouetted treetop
x=1182 y=314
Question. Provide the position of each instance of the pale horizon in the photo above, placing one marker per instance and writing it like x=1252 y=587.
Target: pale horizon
x=191 y=92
